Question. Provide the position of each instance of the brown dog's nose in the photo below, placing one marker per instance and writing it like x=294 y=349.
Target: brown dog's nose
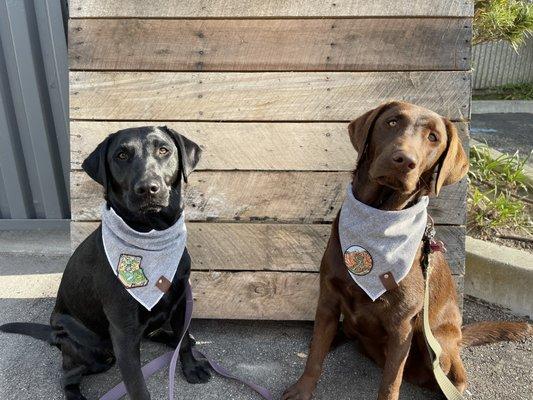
x=404 y=160
x=146 y=188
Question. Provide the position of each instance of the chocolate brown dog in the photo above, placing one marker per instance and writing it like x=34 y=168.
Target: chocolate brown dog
x=404 y=152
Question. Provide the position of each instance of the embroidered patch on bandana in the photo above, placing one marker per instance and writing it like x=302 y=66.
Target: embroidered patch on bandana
x=130 y=272
x=358 y=260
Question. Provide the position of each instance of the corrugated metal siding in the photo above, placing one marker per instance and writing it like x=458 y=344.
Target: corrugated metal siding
x=34 y=149
x=497 y=64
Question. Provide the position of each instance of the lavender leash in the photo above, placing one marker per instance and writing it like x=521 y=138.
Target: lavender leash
x=172 y=357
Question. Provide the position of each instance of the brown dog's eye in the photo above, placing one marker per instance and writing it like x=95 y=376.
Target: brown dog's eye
x=392 y=122
x=432 y=137
x=163 y=151
x=122 y=155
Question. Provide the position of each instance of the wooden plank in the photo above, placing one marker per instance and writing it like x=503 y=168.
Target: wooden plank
x=272 y=8
x=298 y=197
x=459 y=281
x=271 y=247
x=284 y=146
x=454 y=240
x=248 y=146
x=274 y=96
x=397 y=44
x=270 y=146
x=263 y=295
x=255 y=295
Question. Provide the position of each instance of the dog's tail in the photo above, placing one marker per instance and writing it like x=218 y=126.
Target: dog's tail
x=491 y=332
x=37 y=331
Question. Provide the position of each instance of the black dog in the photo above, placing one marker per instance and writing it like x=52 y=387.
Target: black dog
x=95 y=320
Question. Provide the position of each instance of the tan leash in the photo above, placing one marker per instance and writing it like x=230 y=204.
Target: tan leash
x=435 y=350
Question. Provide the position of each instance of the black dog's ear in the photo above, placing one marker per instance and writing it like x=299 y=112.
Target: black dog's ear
x=95 y=165
x=190 y=152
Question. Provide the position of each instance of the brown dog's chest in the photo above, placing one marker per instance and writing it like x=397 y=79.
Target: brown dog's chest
x=369 y=318
x=360 y=313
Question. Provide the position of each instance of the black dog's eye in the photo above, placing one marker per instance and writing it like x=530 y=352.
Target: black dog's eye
x=432 y=137
x=122 y=155
x=163 y=151
x=392 y=122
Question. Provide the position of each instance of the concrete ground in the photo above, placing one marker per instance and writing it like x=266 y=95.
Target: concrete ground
x=505 y=132
x=269 y=353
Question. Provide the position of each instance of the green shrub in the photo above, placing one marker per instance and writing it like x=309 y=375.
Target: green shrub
x=498 y=194
x=511 y=91
x=502 y=20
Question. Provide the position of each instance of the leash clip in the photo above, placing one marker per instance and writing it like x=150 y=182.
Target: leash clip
x=429 y=236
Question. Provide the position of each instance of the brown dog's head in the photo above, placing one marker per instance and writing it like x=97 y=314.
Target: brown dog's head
x=406 y=146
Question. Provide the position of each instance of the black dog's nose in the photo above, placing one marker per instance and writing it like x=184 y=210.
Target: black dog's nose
x=146 y=188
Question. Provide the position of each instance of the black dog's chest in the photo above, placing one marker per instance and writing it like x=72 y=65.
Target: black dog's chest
x=166 y=307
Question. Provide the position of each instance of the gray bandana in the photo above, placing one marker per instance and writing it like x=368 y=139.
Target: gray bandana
x=144 y=262
x=379 y=246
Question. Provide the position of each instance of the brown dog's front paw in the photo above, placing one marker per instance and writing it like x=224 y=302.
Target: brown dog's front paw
x=299 y=391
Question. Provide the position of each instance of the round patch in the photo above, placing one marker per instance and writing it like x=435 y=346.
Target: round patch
x=358 y=260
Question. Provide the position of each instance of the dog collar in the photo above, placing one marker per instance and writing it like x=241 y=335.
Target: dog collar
x=379 y=246
x=144 y=262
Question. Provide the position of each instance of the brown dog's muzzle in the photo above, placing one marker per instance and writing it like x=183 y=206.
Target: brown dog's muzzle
x=397 y=167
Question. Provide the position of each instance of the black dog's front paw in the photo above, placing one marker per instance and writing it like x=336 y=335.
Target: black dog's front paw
x=72 y=392
x=196 y=371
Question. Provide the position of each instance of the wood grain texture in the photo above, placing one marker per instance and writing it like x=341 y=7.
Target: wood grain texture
x=271 y=8
x=284 y=146
x=249 y=146
x=267 y=96
x=255 y=295
x=263 y=295
x=396 y=44
x=270 y=247
x=297 y=197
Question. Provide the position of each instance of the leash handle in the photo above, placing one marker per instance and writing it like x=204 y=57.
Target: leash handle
x=171 y=358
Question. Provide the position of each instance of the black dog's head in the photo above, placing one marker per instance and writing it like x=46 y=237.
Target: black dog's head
x=141 y=170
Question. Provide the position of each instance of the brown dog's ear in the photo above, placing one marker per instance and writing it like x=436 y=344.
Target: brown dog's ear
x=360 y=129
x=190 y=152
x=454 y=162
x=95 y=165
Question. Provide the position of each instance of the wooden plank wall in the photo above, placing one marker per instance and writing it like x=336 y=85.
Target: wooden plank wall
x=266 y=88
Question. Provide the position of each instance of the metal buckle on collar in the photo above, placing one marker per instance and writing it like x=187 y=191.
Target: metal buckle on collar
x=430 y=245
